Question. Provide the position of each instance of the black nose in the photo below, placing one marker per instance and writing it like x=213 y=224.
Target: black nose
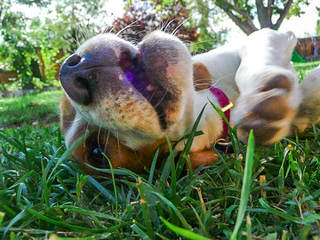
x=75 y=79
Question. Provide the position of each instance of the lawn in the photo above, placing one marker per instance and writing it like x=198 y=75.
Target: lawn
x=33 y=109
x=256 y=193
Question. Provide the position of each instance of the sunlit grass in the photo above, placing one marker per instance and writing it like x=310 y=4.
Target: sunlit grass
x=34 y=109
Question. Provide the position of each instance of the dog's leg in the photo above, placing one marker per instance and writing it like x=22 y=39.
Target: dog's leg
x=269 y=91
x=309 y=110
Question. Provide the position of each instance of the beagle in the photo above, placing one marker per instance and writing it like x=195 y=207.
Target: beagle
x=131 y=98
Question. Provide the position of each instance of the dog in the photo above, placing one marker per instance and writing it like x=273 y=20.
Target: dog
x=132 y=98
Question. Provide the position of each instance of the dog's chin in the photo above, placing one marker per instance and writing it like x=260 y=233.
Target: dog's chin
x=134 y=119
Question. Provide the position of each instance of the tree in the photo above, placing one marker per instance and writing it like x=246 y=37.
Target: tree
x=143 y=17
x=15 y=50
x=270 y=13
x=35 y=48
x=318 y=22
x=183 y=18
x=207 y=18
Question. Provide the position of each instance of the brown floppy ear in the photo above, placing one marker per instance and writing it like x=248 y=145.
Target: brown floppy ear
x=205 y=158
x=67 y=113
x=201 y=76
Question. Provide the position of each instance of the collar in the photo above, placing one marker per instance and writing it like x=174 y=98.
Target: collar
x=225 y=106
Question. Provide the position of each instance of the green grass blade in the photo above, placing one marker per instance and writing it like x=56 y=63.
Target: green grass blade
x=113 y=184
x=245 y=191
x=89 y=213
x=1 y=217
x=120 y=172
x=307 y=220
x=140 y=232
x=221 y=114
x=14 y=220
x=183 y=232
x=173 y=207
x=9 y=211
x=68 y=152
x=186 y=150
x=55 y=237
x=69 y=226
x=145 y=209
x=173 y=183
x=166 y=169
x=24 y=177
x=14 y=142
x=104 y=191
x=153 y=166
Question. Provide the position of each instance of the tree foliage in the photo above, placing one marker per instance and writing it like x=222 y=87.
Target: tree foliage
x=35 y=48
x=190 y=20
x=207 y=18
x=144 y=17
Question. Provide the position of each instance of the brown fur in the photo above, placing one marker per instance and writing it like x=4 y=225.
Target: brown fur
x=201 y=76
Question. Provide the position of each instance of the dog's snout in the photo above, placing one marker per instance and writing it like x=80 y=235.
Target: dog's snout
x=76 y=80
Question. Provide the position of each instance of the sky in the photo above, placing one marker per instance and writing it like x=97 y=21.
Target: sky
x=302 y=26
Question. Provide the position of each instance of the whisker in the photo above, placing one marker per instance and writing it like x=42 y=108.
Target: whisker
x=168 y=24
x=118 y=141
x=177 y=28
x=126 y=27
x=201 y=84
x=106 y=141
x=108 y=29
x=86 y=129
x=149 y=100
x=161 y=100
x=98 y=137
x=163 y=25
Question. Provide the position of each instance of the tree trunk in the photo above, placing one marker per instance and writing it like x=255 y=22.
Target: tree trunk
x=264 y=14
x=42 y=65
x=58 y=63
x=240 y=17
x=245 y=26
x=244 y=20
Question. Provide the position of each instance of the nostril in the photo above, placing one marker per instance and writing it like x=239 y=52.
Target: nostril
x=73 y=60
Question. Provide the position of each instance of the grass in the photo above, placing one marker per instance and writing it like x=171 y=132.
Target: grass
x=303 y=68
x=272 y=193
x=32 y=109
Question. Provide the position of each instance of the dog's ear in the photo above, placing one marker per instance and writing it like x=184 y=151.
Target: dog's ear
x=205 y=158
x=67 y=114
x=201 y=76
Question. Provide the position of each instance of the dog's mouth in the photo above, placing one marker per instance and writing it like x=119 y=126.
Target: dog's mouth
x=135 y=73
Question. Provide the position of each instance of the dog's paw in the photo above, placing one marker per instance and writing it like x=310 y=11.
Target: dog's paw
x=268 y=107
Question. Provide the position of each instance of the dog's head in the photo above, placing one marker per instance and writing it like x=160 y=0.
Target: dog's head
x=131 y=97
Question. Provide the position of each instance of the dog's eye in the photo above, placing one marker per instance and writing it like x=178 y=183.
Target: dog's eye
x=97 y=157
